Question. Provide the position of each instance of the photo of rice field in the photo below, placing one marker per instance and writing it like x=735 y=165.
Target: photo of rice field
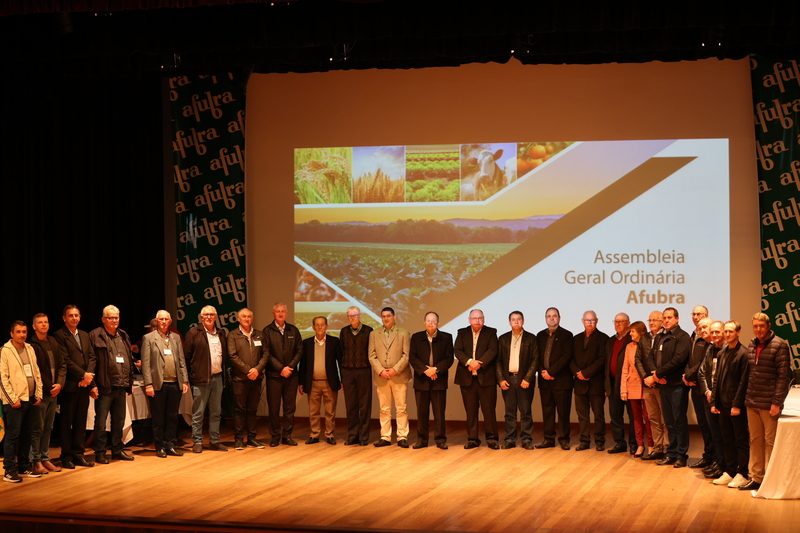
x=432 y=173
x=404 y=276
x=322 y=176
x=378 y=174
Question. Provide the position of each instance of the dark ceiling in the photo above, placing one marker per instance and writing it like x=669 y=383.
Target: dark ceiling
x=130 y=38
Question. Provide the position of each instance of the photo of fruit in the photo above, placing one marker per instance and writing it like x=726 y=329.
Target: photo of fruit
x=432 y=173
x=378 y=174
x=532 y=154
x=322 y=176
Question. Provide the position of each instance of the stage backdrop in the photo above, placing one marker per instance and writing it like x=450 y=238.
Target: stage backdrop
x=607 y=187
x=776 y=100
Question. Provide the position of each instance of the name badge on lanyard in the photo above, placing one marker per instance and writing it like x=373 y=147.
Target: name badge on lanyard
x=167 y=351
x=28 y=371
x=256 y=343
x=120 y=359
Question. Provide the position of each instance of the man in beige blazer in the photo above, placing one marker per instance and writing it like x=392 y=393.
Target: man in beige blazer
x=388 y=355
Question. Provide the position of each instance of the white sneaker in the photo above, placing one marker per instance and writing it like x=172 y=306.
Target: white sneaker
x=724 y=479
x=738 y=481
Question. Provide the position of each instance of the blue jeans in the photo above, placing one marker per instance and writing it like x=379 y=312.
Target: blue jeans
x=207 y=394
x=43 y=417
x=675 y=401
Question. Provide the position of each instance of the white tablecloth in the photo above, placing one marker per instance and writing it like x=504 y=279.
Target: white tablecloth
x=782 y=478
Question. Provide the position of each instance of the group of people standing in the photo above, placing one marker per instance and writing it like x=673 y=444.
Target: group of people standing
x=647 y=371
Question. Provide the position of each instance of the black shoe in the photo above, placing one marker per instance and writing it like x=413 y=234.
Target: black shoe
x=80 y=460
x=492 y=444
x=546 y=444
x=528 y=445
x=667 y=461
x=700 y=463
x=122 y=456
x=255 y=443
x=289 y=441
x=653 y=456
x=274 y=442
x=312 y=440
x=712 y=474
x=238 y=444
x=420 y=444
x=403 y=443
x=582 y=446
x=471 y=444
x=173 y=452
x=330 y=440
x=618 y=449
x=197 y=447
x=600 y=447
x=509 y=444
x=66 y=463
x=161 y=453
x=101 y=458
x=441 y=445
x=751 y=485
x=380 y=443
x=352 y=441
x=363 y=443
x=218 y=446
x=679 y=463
x=564 y=445
x=710 y=468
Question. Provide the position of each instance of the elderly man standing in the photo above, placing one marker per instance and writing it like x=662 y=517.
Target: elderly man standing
x=248 y=361
x=319 y=377
x=476 y=351
x=356 y=377
x=165 y=380
x=517 y=361
x=114 y=378
x=388 y=353
x=206 y=350
x=615 y=357
x=284 y=347
x=652 y=396
x=588 y=363
x=767 y=388
x=696 y=355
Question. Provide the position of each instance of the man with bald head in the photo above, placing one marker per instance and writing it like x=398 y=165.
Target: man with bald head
x=206 y=350
x=696 y=355
x=587 y=366
x=248 y=361
x=615 y=357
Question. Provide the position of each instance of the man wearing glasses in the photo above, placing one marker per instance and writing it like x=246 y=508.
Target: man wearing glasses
x=356 y=377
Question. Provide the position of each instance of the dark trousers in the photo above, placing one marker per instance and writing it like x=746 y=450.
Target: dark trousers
x=164 y=412
x=282 y=390
x=357 y=385
x=735 y=441
x=484 y=398
x=427 y=400
x=114 y=402
x=17 y=445
x=597 y=404
x=716 y=436
x=616 y=412
x=517 y=399
x=74 y=407
x=701 y=407
x=674 y=400
x=555 y=401
x=246 y=395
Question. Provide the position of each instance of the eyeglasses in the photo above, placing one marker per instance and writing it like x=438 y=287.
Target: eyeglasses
x=208 y=315
x=111 y=317
x=353 y=315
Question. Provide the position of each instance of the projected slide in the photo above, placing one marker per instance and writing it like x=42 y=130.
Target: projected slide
x=608 y=225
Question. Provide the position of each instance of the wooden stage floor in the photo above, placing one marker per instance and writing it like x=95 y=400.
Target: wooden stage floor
x=354 y=488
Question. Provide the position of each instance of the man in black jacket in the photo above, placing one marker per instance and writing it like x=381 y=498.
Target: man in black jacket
x=356 y=377
x=114 y=378
x=615 y=358
x=318 y=375
x=284 y=348
x=248 y=360
x=587 y=365
x=696 y=354
x=517 y=362
x=555 y=379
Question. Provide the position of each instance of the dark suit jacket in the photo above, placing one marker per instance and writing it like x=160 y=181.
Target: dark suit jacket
x=244 y=354
x=560 y=357
x=674 y=347
x=282 y=350
x=485 y=352
x=198 y=354
x=528 y=356
x=79 y=359
x=620 y=361
x=419 y=358
x=589 y=360
x=333 y=358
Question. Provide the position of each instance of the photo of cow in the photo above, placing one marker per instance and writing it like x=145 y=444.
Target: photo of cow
x=486 y=169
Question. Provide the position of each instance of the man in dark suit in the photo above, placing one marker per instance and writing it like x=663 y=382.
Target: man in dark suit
x=248 y=361
x=615 y=357
x=588 y=362
x=206 y=350
x=74 y=399
x=356 y=377
x=555 y=379
x=517 y=360
x=476 y=351
x=318 y=375
x=431 y=355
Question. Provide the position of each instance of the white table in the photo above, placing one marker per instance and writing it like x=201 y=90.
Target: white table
x=782 y=478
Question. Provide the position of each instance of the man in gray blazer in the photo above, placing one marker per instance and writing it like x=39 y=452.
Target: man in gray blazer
x=388 y=355
x=165 y=379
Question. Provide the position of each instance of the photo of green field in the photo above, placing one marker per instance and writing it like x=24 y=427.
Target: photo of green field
x=404 y=276
x=323 y=176
x=432 y=173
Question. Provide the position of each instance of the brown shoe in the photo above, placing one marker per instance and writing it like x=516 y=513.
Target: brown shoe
x=51 y=467
x=38 y=468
